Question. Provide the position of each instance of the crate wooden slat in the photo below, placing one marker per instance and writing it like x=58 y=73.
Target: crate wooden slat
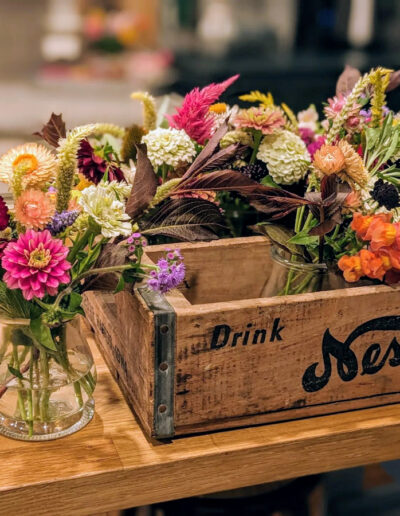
x=236 y=359
x=110 y=464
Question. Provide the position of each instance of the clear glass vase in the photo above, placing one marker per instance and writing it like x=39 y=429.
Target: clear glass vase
x=291 y=276
x=44 y=393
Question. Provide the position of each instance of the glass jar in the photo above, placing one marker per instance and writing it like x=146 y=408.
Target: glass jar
x=46 y=387
x=290 y=276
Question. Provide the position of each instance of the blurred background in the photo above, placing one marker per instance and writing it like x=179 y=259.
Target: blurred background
x=83 y=58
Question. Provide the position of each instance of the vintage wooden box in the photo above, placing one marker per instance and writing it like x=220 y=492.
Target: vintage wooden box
x=215 y=355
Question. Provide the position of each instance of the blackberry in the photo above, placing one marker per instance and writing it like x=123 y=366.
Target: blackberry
x=385 y=194
x=256 y=171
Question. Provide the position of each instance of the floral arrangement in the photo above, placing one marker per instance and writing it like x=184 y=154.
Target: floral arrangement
x=334 y=182
x=87 y=200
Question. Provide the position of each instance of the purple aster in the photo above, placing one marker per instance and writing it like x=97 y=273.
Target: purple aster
x=170 y=273
x=61 y=221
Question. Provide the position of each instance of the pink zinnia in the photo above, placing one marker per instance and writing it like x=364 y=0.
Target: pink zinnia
x=266 y=120
x=36 y=263
x=194 y=115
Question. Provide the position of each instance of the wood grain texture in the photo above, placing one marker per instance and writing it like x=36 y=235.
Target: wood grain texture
x=241 y=359
x=111 y=465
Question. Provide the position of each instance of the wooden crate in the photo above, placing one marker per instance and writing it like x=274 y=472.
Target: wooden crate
x=215 y=355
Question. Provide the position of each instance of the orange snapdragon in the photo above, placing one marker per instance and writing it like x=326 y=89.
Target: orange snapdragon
x=361 y=223
x=383 y=253
x=351 y=267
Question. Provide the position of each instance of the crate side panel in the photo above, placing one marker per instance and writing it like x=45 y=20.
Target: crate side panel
x=124 y=333
x=282 y=359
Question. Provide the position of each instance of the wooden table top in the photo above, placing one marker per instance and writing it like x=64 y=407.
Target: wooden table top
x=111 y=465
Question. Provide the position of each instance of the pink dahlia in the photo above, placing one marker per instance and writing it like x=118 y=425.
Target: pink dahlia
x=194 y=115
x=36 y=263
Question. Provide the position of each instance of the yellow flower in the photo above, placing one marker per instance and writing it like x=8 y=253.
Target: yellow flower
x=218 y=108
x=83 y=183
x=27 y=166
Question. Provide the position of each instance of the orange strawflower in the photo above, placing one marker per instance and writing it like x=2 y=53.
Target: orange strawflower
x=372 y=265
x=34 y=209
x=329 y=159
x=351 y=267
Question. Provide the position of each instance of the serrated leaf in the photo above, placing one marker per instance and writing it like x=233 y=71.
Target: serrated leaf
x=184 y=218
x=53 y=130
x=206 y=153
x=42 y=334
x=144 y=184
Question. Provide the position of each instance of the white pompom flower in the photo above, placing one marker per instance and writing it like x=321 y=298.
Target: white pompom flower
x=171 y=147
x=286 y=156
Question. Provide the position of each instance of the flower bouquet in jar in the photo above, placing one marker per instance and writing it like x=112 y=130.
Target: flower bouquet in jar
x=72 y=223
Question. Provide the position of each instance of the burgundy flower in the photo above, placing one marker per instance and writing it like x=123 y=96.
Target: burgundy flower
x=93 y=167
x=4 y=217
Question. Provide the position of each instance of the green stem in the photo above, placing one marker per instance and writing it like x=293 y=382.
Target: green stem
x=30 y=397
x=257 y=140
x=44 y=404
x=21 y=401
x=78 y=393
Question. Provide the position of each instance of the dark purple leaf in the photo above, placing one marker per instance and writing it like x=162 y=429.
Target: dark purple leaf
x=144 y=185
x=206 y=152
x=347 y=80
x=394 y=81
x=53 y=130
x=185 y=219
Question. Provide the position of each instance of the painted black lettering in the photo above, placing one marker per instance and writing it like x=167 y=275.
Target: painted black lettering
x=222 y=330
x=257 y=333
x=276 y=331
x=236 y=337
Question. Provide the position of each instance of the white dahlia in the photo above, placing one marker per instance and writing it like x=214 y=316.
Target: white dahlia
x=104 y=204
x=286 y=156
x=170 y=147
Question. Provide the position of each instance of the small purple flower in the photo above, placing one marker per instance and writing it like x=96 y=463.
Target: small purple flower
x=170 y=273
x=61 y=221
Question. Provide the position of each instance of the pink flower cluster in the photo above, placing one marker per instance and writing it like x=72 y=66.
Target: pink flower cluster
x=194 y=116
x=36 y=263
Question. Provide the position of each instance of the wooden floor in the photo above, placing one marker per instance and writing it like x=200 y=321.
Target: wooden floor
x=111 y=465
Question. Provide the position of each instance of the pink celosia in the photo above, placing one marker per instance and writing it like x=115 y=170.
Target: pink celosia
x=194 y=115
x=36 y=263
